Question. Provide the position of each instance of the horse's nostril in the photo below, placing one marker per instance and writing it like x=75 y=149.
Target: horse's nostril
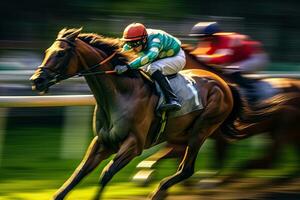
x=38 y=81
x=33 y=87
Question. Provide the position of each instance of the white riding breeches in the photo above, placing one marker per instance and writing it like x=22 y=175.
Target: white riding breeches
x=255 y=63
x=169 y=65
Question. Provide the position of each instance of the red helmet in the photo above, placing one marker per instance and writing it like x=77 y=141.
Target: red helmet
x=134 y=31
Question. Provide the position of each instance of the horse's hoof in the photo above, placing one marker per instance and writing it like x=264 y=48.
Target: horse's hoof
x=159 y=195
x=57 y=197
x=98 y=194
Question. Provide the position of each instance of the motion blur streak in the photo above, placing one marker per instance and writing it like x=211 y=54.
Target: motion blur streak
x=40 y=145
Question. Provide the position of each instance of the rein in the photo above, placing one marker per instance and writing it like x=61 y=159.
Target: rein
x=87 y=71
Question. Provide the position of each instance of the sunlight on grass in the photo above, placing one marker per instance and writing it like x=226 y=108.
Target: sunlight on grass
x=33 y=169
x=116 y=191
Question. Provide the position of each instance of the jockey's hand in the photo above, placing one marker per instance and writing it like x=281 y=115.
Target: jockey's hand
x=121 y=68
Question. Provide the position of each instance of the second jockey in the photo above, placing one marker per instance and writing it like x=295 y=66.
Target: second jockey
x=235 y=54
x=159 y=54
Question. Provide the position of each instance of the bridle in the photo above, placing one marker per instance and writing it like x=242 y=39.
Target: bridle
x=61 y=75
x=87 y=71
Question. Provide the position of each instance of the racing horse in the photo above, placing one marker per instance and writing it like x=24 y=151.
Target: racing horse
x=125 y=121
x=281 y=127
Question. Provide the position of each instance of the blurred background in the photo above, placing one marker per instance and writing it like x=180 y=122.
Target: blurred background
x=41 y=146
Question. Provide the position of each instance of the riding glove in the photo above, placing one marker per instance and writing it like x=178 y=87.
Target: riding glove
x=121 y=68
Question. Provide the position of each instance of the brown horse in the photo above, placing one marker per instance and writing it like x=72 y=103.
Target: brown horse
x=266 y=116
x=281 y=125
x=125 y=119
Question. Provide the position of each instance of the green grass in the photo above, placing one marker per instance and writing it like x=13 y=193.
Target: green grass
x=32 y=168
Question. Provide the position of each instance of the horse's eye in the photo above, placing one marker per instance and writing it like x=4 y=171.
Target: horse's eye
x=60 y=54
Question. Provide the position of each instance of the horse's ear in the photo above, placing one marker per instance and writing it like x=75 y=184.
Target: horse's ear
x=73 y=35
x=61 y=32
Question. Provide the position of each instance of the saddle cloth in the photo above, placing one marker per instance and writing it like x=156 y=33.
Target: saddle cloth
x=188 y=95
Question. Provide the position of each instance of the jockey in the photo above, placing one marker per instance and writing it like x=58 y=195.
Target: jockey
x=159 y=54
x=234 y=53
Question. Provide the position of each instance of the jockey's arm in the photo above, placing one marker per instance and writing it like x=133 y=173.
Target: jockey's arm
x=148 y=57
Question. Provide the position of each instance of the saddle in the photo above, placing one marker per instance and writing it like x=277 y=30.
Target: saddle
x=184 y=88
x=187 y=94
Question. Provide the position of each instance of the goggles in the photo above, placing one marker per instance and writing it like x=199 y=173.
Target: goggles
x=134 y=44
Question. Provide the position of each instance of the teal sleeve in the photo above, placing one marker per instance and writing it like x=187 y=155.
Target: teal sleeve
x=149 y=57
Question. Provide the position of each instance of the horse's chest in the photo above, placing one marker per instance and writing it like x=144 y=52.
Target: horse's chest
x=112 y=137
x=114 y=129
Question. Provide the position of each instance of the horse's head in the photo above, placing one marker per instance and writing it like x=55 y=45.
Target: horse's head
x=57 y=64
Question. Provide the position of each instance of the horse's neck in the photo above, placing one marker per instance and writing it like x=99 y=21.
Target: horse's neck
x=106 y=89
x=118 y=99
x=113 y=93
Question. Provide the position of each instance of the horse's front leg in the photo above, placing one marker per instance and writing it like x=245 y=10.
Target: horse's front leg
x=91 y=160
x=147 y=167
x=185 y=170
x=128 y=150
x=187 y=166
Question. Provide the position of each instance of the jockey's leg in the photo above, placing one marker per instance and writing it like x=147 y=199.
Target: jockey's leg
x=251 y=65
x=255 y=63
x=246 y=83
x=172 y=103
x=167 y=66
x=242 y=80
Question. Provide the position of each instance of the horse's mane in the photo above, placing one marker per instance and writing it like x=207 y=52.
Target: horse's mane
x=106 y=44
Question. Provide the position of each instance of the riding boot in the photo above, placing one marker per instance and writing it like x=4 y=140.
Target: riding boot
x=248 y=85
x=172 y=103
